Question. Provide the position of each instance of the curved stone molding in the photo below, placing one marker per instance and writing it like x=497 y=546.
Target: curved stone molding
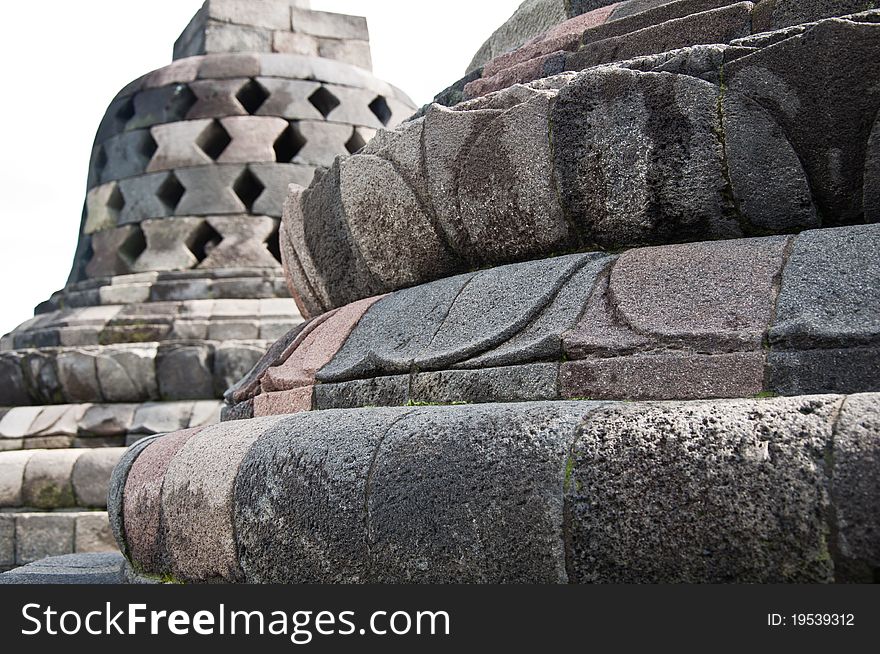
x=737 y=318
x=703 y=143
x=400 y=495
x=92 y=425
x=57 y=479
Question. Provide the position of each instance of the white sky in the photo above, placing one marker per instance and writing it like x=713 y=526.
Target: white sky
x=63 y=61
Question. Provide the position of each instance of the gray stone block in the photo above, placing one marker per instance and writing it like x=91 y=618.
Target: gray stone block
x=843 y=107
x=210 y=190
x=528 y=383
x=704 y=492
x=163 y=105
x=830 y=292
x=676 y=376
x=356 y=53
x=253 y=138
x=776 y=14
x=720 y=25
x=48 y=479
x=201 y=539
x=107 y=419
x=92 y=533
x=376 y=391
x=856 y=492
x=300 y=495
x=12 y=468
x=38 y=535
x=217 y=97
x=668 y=184
x=289 y=98
x=836 y=370
x=433 y=515
x=334 y=26
x=177 y=145
x=635 y=15
x=276 y=177
x=185 y=372
x=169 y=244
x=7 y=540
x=127 y=154
x=128 y=373
x=91 y=476
x=154 y=195
x=102 y=568
x=232 y=362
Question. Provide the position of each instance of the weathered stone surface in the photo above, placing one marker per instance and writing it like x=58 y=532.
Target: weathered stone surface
x=627 y=17
x=445 y=322
x=507 y=199
x=177 y=145
x=78 y=376
x=197 y=501
x=833 y=370
x=709 y=296
x=217 y=97
x=95 y=568
x=776 y=14
x=537 y=381
x=102 y=208
x=144 y=198
x=38 y=535
x=325 y=24
x=316 y=350
x=710 y=492
x=12 y=469
x=91 y=474
x=296 y=400
x=168 y=244
x=163 y=105
x=115 y=251
x=209 y=190
x=144 y=526
x=161 y=417
x=830 y=292
x=185 y=372
x=542 y=339
x=127 y=154
x=714 y=26
x=253 y=138
x=677 y=376
x=116 y=491
x=301 y=496
x=7 y=541
x=127 y=373
x=107 y=419
x=232 y=361
x=243 y=242
x=669 y=184
x=467 y=528
x=92 y=533
x=856 y=491
x=842 y=107
x=376 y=391
x=48 y=479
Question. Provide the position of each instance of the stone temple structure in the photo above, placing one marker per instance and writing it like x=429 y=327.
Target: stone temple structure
x=176 y=289
x=608 y=310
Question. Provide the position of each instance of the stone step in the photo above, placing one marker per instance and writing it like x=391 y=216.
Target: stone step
x=788 y=315
x=104 y=568
x=760 y=490
x=90 y=425
x=29 y=537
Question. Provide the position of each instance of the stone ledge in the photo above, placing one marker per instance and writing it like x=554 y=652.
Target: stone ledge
x=720 y=319
x=723 y=491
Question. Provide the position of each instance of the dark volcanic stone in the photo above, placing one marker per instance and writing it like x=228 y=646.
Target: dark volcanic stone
x=702 y=492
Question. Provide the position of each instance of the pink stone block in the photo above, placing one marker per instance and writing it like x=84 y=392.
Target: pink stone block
x=143 y=498
x=523 y=73
x=316 y=350
x=298 y=400
x=565 y=36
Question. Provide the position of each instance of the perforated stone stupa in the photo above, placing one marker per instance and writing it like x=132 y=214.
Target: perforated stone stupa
x=176 y=289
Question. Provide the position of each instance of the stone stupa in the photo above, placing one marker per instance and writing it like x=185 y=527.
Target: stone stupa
x=176 y=289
